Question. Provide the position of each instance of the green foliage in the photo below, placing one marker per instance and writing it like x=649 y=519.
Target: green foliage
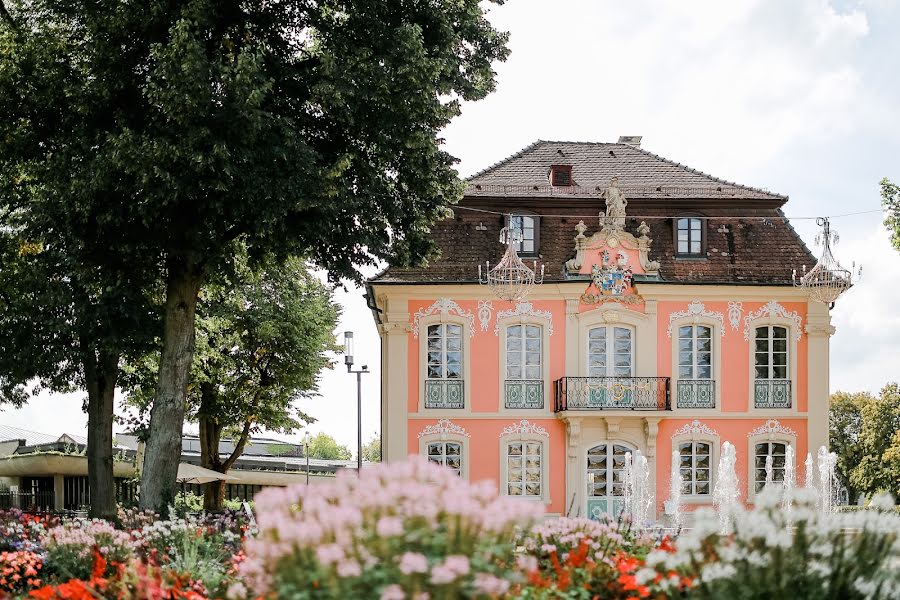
x=371 y=450
x=262 y=338
x=326 y=447
x=890 y=198
x=864 y=432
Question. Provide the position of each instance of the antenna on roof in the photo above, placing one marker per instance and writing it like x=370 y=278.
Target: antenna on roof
x=631 y=140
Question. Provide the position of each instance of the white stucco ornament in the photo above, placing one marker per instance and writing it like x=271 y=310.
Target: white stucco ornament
x=524 y=427
x=444 y=427
x=735 y=311
x=773 y=309
x=695 y=427
x=696 y=309
x=524 y=309
x=772 y=427
x=485 y=312
x=443 y=306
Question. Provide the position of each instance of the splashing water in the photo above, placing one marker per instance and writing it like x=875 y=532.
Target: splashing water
x=826 y=462
x=725 y=493
x=810 y=481
x=638 y=499
x=675 y=490
x=768 y=470
x=790 y=480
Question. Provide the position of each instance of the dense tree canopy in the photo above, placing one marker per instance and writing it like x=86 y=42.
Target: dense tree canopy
x=371 y=450
x=262 y=339
x=157 y=134
x=865 y=434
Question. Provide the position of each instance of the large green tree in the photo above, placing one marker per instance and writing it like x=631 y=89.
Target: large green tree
x=262 y=339
x=864 y=432
x=297 y=127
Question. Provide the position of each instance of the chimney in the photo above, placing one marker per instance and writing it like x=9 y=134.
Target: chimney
x=631 y=140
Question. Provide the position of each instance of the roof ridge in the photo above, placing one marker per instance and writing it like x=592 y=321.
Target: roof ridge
x=538 y=142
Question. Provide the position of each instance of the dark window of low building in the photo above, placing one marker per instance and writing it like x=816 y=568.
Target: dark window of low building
x=689 y=236
x=561 y=175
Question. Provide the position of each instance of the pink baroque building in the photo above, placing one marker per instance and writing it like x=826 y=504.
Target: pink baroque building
x=666 y=322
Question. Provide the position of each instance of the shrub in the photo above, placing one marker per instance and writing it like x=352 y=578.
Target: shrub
x=401 y=530
x=788 y=554
x=69 y=547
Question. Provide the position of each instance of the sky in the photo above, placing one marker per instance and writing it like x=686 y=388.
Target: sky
x=797 y=97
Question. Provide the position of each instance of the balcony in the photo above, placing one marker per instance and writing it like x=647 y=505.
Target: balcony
x=524 y=393
x=695 y=393
x=444 y=393
x=772 y=393
x=612 y=393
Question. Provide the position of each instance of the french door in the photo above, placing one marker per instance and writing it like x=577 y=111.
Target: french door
x=605 y=476
x=610 y=361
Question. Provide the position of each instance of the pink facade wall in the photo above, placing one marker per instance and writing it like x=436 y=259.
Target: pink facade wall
x=485 y=395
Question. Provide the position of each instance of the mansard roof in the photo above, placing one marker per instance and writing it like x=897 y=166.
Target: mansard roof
x=641 y=174
x=748 y=239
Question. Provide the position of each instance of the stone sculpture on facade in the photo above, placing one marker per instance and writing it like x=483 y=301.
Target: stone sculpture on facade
x=614 y=220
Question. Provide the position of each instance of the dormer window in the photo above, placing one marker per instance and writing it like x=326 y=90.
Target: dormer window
x=689 y=236
x=561 y=175
x=525 y=232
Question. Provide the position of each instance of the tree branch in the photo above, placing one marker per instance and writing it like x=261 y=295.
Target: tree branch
x=239 y=447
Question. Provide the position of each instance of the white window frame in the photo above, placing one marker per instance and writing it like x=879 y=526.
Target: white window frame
x=644 y=337
x=524 y=438
x=462 y=440
x=610 y=349
x=629 y=446
x=535 y=233
x=716 y=360
x=792 y=350
x=466 y=346
x=524 y=320
x=691 y=230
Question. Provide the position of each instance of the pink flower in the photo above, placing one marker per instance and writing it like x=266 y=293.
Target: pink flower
x=329 y=554
x=349 y=568
x=441 y=575
x=457 y=563
x=392 y=592
x=527 y=562
x=488 y=584
x=389 y=526
x=548 y=548
x=413 y=562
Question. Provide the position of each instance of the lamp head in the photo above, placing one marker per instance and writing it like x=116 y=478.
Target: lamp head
x=348 y=348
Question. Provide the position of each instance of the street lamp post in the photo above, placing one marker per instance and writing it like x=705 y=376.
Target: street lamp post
x=348 y=360
x=306 y=452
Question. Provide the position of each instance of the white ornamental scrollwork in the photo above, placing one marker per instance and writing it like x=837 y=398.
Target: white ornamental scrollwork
x=696 y=309
x=443 y=306
x=770 y=427
x=735 y=310
x=444 y=427
x=524 y=427
x=522 y=309
x=695 y=427
x=485 y=312
x=773 y=309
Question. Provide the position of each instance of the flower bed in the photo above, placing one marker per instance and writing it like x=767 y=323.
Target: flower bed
x=415 y=531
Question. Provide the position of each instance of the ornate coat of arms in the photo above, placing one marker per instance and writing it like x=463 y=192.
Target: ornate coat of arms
x=611 y=280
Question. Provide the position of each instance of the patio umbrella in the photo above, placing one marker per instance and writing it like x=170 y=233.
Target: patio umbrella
x=188 y=473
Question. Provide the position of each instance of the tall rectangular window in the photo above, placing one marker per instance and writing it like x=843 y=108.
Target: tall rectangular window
x=448 y=454
x=771 y=353
x=524 y=471
x=695 y=468
x=524 y=375
x=689 y=239
x=524 y=230
x=444 y=379
x=695 y=352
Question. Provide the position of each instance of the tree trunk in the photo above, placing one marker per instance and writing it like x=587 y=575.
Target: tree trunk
x=210 y=434
x=100 y=378
x=158 y=485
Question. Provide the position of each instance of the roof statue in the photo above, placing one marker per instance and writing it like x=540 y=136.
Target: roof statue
x=615 y=207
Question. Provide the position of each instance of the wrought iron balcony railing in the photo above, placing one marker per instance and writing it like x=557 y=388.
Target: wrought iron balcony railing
x=524 y=393
x=444 y=393
x=695 y=393
x=772 y=393
x=612 y=393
